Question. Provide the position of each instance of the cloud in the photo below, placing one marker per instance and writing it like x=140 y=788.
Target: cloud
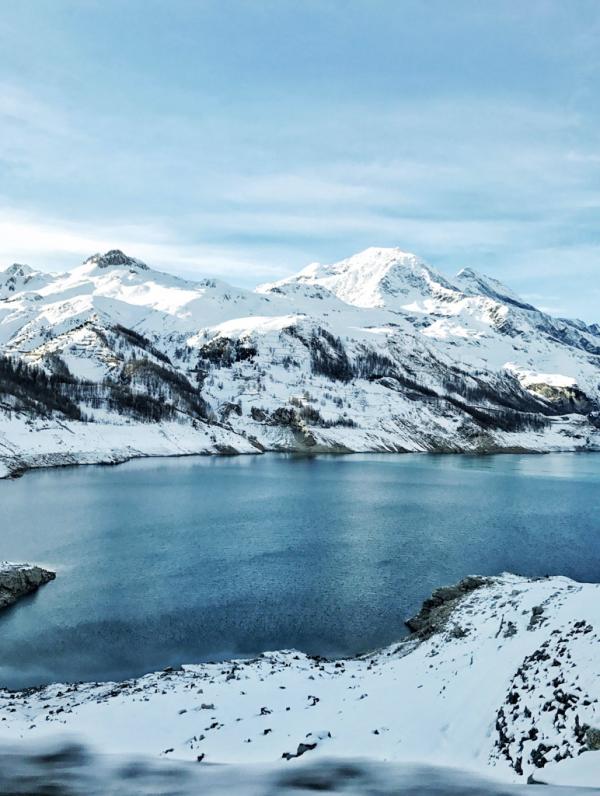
x=29 y=111
x=502 y=185
x=56 y=244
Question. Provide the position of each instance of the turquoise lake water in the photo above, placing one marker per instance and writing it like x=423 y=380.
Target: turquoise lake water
x=168 y=561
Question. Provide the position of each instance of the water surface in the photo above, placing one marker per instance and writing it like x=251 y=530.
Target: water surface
x=166 y=561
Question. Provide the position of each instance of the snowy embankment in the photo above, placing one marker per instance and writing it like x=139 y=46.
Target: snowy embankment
x=502 y=677
x=18 y=580
x=28 y=443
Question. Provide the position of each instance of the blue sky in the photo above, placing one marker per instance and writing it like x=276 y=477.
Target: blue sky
x=246 y=139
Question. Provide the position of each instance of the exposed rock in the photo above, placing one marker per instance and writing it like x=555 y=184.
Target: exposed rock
x=537 y=617
x=115 y=257
x=17 y=580
x=592 y=738
x=437 y=609
x=542 y=720
x=302 y=749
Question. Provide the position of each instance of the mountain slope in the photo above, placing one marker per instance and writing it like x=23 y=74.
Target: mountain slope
x=377 y=352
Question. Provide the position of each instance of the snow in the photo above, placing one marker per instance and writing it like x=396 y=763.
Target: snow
x=530 y=377
x=439 y=701
x=577 y=771
x=374 y=277
x=26 y=443
x=77 y=769
x=476 y=284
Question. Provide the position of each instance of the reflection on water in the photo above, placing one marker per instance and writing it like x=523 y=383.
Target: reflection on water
x=166 y=561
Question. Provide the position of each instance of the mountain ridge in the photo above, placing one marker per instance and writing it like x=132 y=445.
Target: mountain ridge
x=377 y=352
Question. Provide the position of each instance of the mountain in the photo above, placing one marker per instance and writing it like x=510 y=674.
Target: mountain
x=379 y=352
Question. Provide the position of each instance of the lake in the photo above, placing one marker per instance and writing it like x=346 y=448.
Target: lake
x=168 y=561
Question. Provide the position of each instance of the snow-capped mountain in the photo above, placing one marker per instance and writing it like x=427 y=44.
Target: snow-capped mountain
x=377 y=352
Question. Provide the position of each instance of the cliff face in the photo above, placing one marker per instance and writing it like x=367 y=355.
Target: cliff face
x=17 y=580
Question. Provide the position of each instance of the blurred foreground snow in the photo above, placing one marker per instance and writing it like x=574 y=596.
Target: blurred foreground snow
x=66 y=769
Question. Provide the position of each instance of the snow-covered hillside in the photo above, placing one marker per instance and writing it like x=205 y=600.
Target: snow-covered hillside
x=378 y=352
x=500 y=677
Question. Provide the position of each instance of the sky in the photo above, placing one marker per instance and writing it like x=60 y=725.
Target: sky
x=246 y=138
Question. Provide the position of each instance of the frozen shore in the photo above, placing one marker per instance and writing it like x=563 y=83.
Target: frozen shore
x=501 y=678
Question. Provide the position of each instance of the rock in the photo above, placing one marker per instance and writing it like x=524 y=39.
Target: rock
x=531 y=780
x=302 y=749
x=17 y=580
x=537 y=617
x=458 y=632
x=592 y=738
x=437 y=609
x=305 y=747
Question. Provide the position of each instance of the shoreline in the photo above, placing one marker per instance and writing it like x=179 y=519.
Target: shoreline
x=22 y=470
x=432 y=696
x=430 y=619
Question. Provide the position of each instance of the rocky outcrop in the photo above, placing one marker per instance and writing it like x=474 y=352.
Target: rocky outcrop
x=437 y=609
x=17 y=580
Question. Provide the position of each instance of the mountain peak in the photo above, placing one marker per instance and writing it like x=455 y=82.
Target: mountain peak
x=473 y=283
x=388 y=253
x=18 y=269
x=114 y=257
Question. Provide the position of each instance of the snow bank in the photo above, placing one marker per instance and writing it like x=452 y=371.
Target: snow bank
x=27 y=443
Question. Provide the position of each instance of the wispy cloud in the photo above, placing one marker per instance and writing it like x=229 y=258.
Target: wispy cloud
x=54 y=244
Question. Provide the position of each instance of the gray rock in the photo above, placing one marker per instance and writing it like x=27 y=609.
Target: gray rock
x=537 y=617
x=437 y=609
x=17 y=580
x=592 y=738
